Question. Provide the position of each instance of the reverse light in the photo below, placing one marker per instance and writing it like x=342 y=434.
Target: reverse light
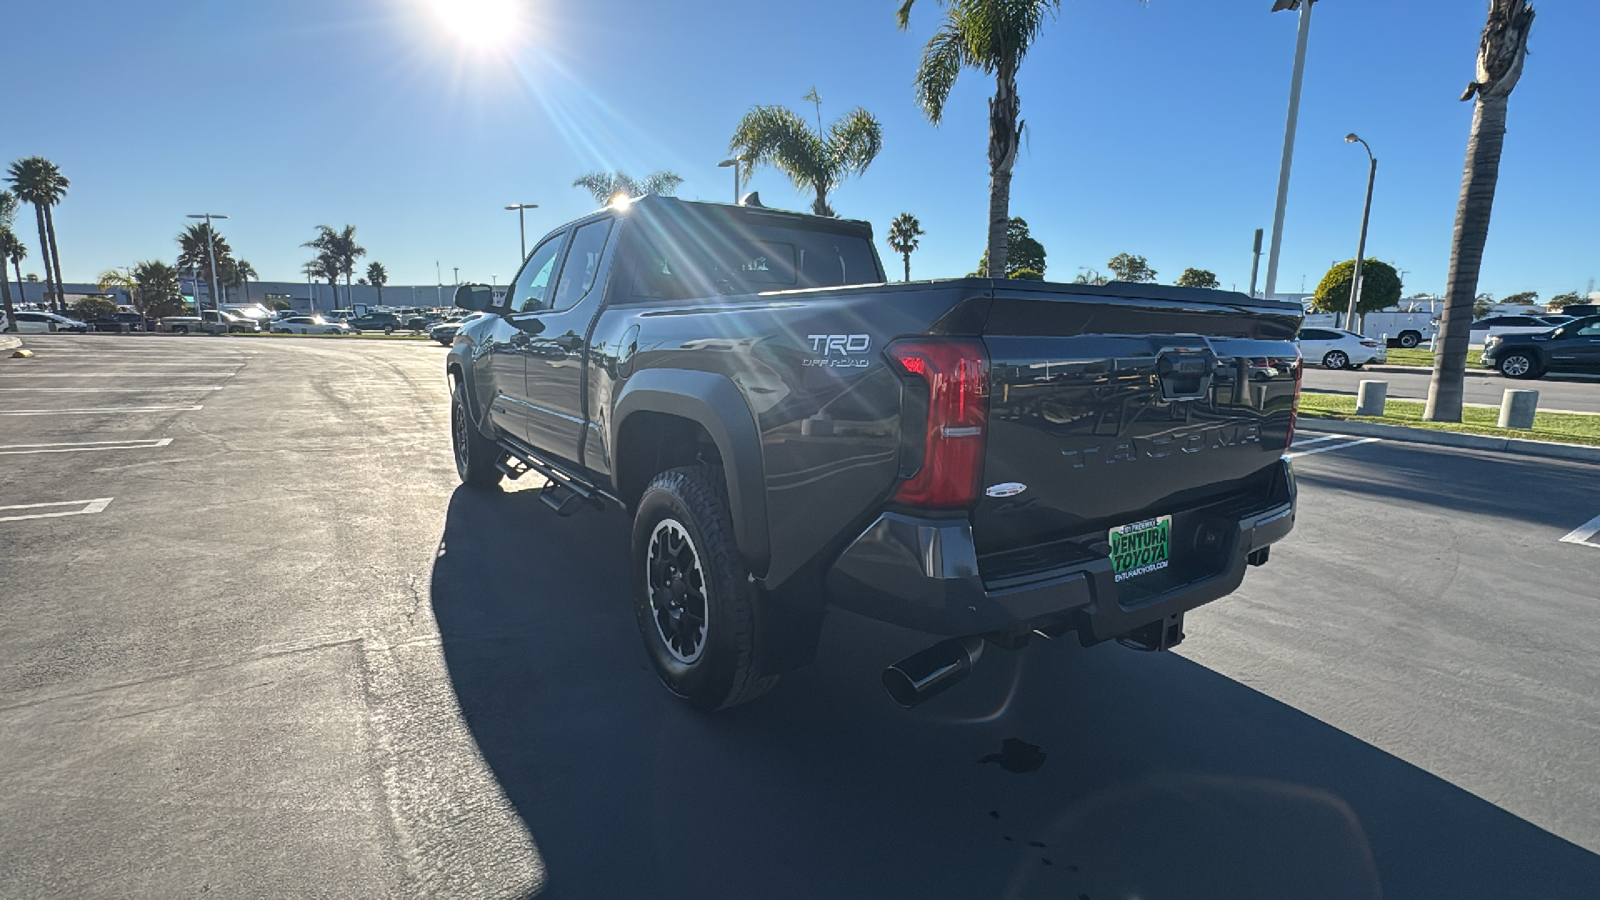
x=956 y=373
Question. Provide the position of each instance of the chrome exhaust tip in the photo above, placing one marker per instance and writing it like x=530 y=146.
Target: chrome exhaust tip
x=932 y=671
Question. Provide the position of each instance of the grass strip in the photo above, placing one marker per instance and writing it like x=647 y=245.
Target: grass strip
x=1566 y=428
x=1418 y=356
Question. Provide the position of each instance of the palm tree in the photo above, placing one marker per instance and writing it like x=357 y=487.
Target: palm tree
x=200 y=248
x=12 y=250
x=1500 y=56
x=118 y=279
x=337 y=251
x=377 y=276
x=242 y=273
x=991 y=36
x=903 y=234
x=813 y=160
x=8 y=213
x=39 y=181
x=157 y=289
x=325 y=266
x=603 y=186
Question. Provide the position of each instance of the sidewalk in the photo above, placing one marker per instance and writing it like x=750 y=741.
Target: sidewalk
x=1518 y=446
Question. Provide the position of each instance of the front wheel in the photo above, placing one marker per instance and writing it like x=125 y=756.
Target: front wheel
x=695 y=604
x=1519 y=365
x=477 y=457
x=1336 y=359
x=388 y=329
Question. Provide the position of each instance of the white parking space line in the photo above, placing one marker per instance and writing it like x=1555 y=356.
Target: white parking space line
x=1317 y=440
x=1583 y=533
x=97 y=409
x=1333 y=447
x=208 y=374
x=82 y=446
x=89 y=508
x=143 y=390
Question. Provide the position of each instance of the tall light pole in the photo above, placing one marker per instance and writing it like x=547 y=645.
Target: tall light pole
x=439 y=291
x=522 y=226
x=211 y=254
x=1288 y=134
x=1361 y=247
x=735 y=164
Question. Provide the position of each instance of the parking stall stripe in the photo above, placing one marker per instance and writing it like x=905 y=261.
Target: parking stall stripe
x=216 y=374
x=1318 y=440
x=98 y=409
x=1333 y=447
x=1582 y=534
x=82 y=446
x=90 y=507
x=143 y=390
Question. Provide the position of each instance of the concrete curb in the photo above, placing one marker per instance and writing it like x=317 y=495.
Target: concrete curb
x=1545 y=449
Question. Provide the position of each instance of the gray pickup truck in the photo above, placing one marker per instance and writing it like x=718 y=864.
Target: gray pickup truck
x=989 y=461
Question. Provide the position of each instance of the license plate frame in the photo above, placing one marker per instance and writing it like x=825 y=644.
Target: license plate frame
x=1140 y=548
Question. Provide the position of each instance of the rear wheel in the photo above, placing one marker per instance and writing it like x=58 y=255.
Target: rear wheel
x=1336 y=359
x=1410 y=339
x=1519 y=365
x=388 y=329
x=695 y=604
x=477 y=457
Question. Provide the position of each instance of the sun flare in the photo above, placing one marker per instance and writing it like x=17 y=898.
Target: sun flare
x=480 y=22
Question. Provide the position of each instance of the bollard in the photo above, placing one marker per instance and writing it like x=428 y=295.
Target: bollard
x=1517 y=409
x=1371 y=397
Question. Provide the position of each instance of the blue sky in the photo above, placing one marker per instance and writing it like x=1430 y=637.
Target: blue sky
x=1151 y=129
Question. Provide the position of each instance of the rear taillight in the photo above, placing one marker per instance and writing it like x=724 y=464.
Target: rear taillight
x=956 y=373
x=1369 y=343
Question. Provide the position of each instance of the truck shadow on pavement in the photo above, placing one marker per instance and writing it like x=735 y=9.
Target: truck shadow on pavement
x=1140 y=774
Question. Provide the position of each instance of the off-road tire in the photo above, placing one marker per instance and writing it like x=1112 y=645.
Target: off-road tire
x=477 y=457
x=725 y=672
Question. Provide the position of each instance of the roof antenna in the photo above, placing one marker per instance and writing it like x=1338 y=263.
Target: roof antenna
x=752 y=200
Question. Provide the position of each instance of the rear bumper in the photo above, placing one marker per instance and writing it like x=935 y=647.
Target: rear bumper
x=923 y=573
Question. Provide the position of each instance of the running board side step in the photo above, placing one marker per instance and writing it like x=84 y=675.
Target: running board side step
x=562 y=492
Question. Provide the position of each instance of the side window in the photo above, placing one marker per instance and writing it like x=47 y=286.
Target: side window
x=583 y=263
x=531 y=292
x=1590 y=330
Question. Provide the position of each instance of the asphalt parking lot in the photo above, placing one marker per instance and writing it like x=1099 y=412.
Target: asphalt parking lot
x=259 y=643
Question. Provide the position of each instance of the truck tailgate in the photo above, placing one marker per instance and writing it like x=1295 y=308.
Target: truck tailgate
x=1126 y=405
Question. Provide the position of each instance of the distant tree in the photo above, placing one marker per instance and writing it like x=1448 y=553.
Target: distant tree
x=605 y=185
x=1570 y=298
x=815 y=161
x=39 y=181
x=92 y=306
x=33 y=278
x=8 y=213
x=1482 y=305
x=117 y=280
x=377 y=276
x=1028 y=275
x=1380 y=287
x=196 y=244
x=1524 y=298
x=1089 y=275
x=1501 y=52
x=903 y=234
x=1128 y=267
x=337 y=252
x=281 y=305
x=1023 y=253
x=157 y=292
x=239 y=274
x=1199 y=278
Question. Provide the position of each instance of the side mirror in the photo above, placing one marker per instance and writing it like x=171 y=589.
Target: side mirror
x=475 y=297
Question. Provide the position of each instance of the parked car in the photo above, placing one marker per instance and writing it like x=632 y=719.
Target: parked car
x=935 y=455
x=258 y=314
x=46 y=322
x=1573 y=347
x=120 y=321
x=1490 y=326
x=1333 y=348
x=308 y=325
x=235 y=324
x=445 y=332
x=387 y=323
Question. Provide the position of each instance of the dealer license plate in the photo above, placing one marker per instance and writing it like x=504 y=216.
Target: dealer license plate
x=1141 y=548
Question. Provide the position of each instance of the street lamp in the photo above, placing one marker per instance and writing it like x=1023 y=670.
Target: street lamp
x=1304 y=6
x=211 y=254
x=522 y=226
x=735 y=164
x=1366 y=213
